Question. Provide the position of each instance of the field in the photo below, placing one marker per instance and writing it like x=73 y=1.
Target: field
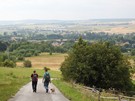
x=45 y=59
x=118 y=26
x=109 y=27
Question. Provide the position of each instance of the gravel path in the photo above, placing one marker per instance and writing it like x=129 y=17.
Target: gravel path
x=26 y=94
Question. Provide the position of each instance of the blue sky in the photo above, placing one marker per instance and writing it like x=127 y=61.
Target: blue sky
x=66 y=9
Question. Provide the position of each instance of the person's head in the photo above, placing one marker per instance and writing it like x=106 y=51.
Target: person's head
x=45 y=69
x=34 y=71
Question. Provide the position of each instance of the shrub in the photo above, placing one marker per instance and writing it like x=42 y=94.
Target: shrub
x=50 y=53
x=9 y=63
x=36 y=53
x=27 y=63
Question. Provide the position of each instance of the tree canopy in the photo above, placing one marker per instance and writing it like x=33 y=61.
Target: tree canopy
x=100 y=64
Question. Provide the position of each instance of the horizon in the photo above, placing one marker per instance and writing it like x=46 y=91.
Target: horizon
x=70 y=19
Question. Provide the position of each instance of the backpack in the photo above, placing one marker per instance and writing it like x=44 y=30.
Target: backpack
x=34 y=78
x=47 y=77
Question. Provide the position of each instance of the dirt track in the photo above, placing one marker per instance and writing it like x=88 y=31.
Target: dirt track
x=26 y=94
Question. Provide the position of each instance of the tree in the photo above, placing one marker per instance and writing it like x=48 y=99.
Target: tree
x=101 y=64
x=3 y=46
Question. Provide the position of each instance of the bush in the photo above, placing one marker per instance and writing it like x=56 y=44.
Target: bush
x=36 y=53
x=9 y=63
x=27 y=63
x=50 y=53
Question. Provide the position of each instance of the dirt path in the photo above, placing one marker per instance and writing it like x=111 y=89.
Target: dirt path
x=26 y=94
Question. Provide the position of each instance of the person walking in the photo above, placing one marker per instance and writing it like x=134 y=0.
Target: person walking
x=34 y=77
x=46 y=79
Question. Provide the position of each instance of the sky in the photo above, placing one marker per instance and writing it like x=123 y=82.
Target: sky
x=66 y=9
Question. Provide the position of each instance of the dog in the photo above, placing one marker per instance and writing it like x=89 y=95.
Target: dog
x=52 y=90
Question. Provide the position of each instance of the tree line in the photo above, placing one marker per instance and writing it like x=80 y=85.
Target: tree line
x=126 y=41
x=17 y=51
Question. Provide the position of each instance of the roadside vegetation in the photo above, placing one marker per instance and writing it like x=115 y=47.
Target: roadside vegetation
x=79 y=93
x=71 y=92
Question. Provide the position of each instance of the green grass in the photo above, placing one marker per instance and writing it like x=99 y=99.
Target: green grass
x=71 y=92
x=78 y=93
x=12 y=79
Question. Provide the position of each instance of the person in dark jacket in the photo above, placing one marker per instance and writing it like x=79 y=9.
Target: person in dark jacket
x=34 y=77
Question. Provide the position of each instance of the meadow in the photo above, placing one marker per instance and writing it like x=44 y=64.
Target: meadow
x=46 y=60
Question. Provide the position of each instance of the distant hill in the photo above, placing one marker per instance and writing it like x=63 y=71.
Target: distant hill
x=35 y=21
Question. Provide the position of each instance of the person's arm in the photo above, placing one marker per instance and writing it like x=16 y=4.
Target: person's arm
x=31 y=76
x=50 y=77
x=43 y=78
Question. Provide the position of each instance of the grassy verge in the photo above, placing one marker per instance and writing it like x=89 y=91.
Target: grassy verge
x=12 y=79
x=71 y=92
x=78 y=93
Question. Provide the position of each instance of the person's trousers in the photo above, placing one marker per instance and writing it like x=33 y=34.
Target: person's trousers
x=34 y=86
x=46 y=86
